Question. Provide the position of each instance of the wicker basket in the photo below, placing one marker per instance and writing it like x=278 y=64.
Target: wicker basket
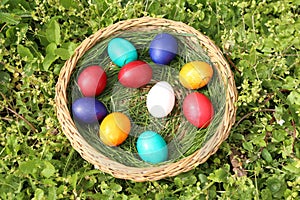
x=119 y=170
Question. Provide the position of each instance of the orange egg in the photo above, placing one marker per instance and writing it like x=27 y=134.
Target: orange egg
x=195 y=74
x=114 y=129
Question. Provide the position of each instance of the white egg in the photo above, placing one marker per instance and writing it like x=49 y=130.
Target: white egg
x=160 y=99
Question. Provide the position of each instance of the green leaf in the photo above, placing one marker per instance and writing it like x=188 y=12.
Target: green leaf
x=293 y=168
x=64 y=54
x=4 y=80
x=266 y=155
x=29 y=167
x=49 y=170
x=202 y=178
x=248 y=146
x=248 y=19
x=50 y=49
x=297 y=149
x=73 y=180
x=48 y=60
x=57 y=68
x=4 y=77
x=29 y=69
x=38 y=194
x=290 y=83
x=191 y=180
x=9 y=182
x=218 y=176
x=276 y=185
x=237 y=136
x=70 y=46
x=266 y=194
x=178 y=182
x=9 y=18
x=52 y=193
x=294 y=97
x=53 y=32
x=279 y=135
x=115 y=187
x=67 y=3
x=3 y=2
x=259 y=139
x=25 y=52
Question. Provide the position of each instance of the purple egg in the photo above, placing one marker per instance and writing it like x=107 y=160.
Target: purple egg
x=163 y=48
x=89 y=110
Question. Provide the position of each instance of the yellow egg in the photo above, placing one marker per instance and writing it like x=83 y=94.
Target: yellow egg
x=195 y=74
x=114 y=129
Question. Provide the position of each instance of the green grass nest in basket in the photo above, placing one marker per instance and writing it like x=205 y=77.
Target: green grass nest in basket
x=188 y=146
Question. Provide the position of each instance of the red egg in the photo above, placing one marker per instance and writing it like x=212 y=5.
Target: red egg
x=135 y=74
x=92 y=81
x=198 y=109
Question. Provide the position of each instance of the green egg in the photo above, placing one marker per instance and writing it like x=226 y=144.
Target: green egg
x=121 y=51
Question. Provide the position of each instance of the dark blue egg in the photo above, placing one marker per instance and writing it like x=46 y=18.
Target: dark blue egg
x=163 y=48
x=89 y=110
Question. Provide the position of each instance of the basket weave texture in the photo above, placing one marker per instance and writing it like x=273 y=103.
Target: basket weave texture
x=119 y=170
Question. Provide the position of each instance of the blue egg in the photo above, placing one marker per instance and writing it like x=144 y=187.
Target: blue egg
x=121 y=51
x=152 y=147
x=89 y=110
x=163 y=48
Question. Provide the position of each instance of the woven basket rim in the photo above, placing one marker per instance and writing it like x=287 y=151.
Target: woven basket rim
x=156 y=172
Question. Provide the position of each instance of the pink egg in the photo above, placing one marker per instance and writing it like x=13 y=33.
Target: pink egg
x=198 y=109
x=92 y=81
x=135 y=74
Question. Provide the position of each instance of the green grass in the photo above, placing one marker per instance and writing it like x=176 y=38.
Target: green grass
x=259 y=160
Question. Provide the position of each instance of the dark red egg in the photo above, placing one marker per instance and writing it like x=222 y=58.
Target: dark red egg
x=135 y=74
x=92 y=81
x=198 y=109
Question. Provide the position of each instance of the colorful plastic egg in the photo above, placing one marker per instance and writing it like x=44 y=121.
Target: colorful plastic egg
x=121 y=51
x=198 y=109
x=152 y=147
x=92 y=81
x=114 y=129
x=88 y=109
x=195 y=74
x=135 y=74
x=160 y=99
x=163 y=48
